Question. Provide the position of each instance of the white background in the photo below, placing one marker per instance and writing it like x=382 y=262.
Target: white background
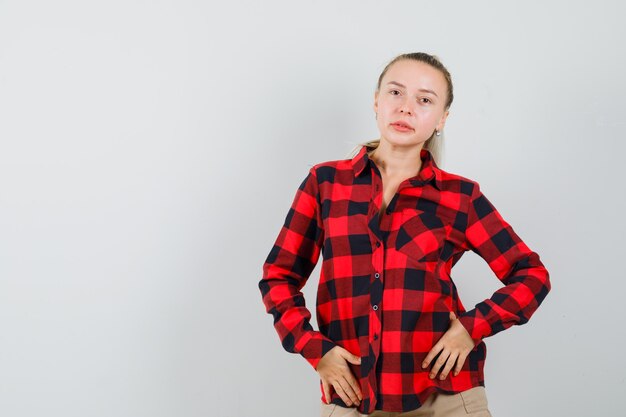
x=149 y=152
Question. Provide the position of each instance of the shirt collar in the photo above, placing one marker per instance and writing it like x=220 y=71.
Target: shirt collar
x=429 y=172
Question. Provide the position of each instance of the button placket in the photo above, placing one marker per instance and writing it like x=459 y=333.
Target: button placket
x=377 y=260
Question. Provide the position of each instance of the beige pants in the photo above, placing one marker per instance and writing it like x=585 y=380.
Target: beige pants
x=472 y=402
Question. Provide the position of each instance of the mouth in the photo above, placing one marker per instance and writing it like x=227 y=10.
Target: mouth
x=402 y=127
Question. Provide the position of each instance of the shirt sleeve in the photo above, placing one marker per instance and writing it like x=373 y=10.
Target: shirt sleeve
x=287 y=268
x=525 y=278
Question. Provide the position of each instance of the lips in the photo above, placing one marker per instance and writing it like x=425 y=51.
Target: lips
x=402 y=125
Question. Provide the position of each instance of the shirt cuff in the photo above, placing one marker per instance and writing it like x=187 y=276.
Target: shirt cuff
x=315 y=348
x=477 y=327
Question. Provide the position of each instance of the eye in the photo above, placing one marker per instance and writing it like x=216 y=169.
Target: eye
x=392 y=91
x=425 y=100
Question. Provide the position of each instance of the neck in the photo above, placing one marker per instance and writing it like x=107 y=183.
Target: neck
x=395 y=160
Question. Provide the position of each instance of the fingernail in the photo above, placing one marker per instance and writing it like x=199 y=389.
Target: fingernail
x=442 y=377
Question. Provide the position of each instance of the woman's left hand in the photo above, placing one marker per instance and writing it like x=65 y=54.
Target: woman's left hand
x=455 y=344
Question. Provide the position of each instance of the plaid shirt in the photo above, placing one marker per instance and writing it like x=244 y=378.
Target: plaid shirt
x=385 y=287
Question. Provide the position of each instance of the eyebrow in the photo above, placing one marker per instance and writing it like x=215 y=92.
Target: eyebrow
x=421 y=89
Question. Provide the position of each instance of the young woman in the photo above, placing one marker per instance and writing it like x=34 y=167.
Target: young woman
x=394 y=338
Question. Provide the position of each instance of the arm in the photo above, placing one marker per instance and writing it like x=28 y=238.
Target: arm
x=287 y=268
x=526 y=280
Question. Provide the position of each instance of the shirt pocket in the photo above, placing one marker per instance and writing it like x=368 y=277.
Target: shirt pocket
x=421 y=235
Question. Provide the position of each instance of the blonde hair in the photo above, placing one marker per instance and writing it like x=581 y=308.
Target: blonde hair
x=434 y=144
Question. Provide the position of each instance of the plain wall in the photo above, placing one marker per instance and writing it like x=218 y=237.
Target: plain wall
x=149 y=152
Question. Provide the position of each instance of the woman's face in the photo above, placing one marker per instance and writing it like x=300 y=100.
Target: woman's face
x=415 y=94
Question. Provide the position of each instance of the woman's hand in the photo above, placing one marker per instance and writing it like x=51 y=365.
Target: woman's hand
x=334 y=371
x=454 y=345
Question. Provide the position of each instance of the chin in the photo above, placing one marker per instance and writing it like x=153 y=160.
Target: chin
x=403 y=140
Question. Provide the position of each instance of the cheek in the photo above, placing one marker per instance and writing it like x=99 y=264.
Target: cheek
x=431 y=117
x=386 y=104
x=384 y=115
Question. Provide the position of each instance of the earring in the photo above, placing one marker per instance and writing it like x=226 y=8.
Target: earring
x=437 y=132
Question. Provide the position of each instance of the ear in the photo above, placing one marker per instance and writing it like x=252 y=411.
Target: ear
x=375 y=101
x=442 y=122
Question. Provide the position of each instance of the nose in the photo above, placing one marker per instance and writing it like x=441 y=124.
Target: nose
x=405 y=107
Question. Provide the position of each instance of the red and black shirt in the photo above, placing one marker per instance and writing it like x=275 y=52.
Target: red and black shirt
x=385 y=287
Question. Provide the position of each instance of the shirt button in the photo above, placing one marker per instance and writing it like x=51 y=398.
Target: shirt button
x=377 y=275
x=377 y=244
x=375 y=307
x=375 y=337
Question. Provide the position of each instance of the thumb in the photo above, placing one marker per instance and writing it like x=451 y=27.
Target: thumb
x=353 y=359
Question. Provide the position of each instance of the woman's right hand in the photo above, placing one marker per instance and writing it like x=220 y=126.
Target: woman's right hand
x=334 y=371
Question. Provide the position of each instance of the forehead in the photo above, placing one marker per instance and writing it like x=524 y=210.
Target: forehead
x=415 y=75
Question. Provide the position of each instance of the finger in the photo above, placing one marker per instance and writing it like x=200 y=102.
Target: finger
x=353 y=388
x=348 y=376
x=439 y=363
x=349 y=390
x=356 y=388
x=342 y=393
x=354 y=384
x=353 y=359
x=433 y=352
x=449 y=364
x=326 y=391
x=459 y=363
